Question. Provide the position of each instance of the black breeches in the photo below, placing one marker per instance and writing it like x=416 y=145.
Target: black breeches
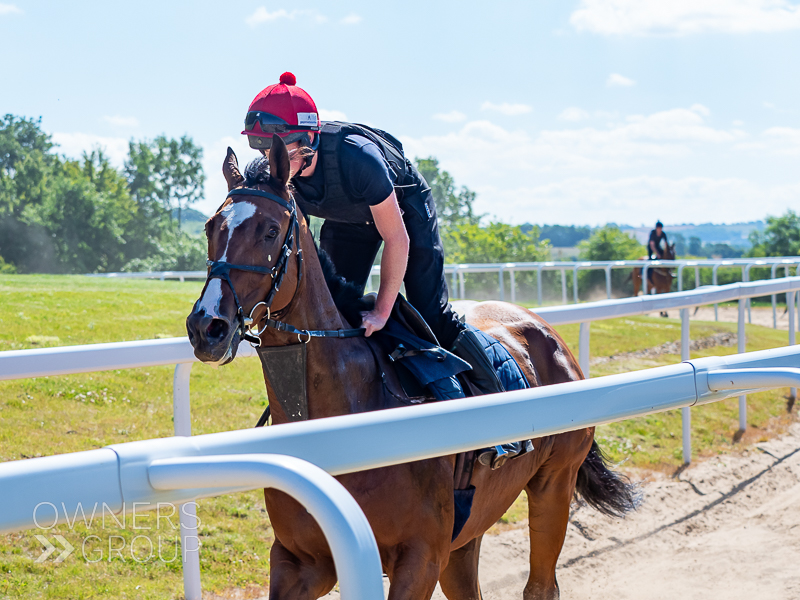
x=353 y=247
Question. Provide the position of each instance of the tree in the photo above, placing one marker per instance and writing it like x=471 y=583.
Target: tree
x=453 y=207
x=781 y=237
x=695 y=246
x=165 y=172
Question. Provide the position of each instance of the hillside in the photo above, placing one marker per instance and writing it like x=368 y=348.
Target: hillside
x=192 y=221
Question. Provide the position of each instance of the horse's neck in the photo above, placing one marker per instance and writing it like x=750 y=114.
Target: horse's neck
x=341 y=374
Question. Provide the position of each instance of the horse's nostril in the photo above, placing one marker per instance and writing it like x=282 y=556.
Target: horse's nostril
x=217 y=329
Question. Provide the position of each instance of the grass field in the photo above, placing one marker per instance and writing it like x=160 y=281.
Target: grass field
x=55 y=415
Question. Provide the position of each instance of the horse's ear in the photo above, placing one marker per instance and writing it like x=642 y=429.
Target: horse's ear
x=279 y=162
x=230 y=169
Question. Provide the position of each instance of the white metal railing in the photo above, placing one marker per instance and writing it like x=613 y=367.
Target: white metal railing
x=457 y=272
x=178 y=469
x=20 y=364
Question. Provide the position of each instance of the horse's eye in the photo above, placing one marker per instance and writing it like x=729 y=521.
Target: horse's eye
x=273 y=232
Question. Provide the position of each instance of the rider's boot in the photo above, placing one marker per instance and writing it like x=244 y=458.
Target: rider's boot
x=484 y=377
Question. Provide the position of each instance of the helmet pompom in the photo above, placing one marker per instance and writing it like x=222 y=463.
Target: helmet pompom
x=288 y=79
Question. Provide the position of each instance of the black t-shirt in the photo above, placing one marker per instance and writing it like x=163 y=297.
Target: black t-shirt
x=657 y=239
x=365 y=172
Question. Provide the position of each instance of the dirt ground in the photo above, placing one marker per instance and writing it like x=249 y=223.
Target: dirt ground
x=728 y=527
x=760 y=315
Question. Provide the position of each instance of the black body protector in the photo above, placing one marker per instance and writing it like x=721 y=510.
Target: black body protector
x=336 y=203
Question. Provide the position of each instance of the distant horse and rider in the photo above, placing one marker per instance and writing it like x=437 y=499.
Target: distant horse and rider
x=659 y=279
x=286 y=291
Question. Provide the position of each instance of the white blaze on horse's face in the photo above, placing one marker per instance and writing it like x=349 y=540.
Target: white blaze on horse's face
x=235 y=213
x=212 y=298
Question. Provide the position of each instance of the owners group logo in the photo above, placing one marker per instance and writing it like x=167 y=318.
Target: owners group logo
x=141 y=532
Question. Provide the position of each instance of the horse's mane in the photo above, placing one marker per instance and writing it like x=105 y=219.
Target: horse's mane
x=346 y=295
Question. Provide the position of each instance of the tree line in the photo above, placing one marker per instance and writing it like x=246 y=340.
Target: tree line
x=59 y=215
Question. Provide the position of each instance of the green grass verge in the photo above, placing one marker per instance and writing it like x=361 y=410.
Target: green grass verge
x=55 y=415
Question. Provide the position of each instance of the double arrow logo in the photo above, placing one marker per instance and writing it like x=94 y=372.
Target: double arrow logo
x=50 y=548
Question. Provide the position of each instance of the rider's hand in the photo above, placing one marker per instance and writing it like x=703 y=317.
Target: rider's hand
x=373 y=321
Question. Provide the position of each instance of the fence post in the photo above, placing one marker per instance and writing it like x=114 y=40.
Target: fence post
x=714 y=282
x=680 y=277
x=539 y=285
x=697 y=277
x=583 y=347
x=644 y=279
x=502 y=284
x=461 y=287
x=575 y=283
x=686 y=415
x=790 y=296
x=608 y=281
x=563 y=286
x=741 y=349
x=513 y=286
x=746 y=277
x=774 y=298
x=190 y=542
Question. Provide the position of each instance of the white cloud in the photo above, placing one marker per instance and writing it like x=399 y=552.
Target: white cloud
x=118 y=121
x=510 y=110
x=73 y=145
x=9 y=9
x=262 y=15
x=454 y=116
x=683 y=17
x=351 y=19
x=331 y=115
x=617 y=80
x=573 y=114
x=775 y=141
x=481 y=151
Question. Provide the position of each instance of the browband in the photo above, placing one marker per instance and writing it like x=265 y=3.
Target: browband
x=262 y=194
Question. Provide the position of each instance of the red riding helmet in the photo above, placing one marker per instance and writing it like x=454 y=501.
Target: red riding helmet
x=282 y=108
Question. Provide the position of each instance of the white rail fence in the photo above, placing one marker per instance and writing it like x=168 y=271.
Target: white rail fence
x=457 y=273
x=22 y=364
x=299 y=458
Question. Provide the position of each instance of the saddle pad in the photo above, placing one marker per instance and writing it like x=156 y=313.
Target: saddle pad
x=511 y=376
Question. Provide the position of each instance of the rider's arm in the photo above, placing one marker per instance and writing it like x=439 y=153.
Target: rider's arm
x=389 y=222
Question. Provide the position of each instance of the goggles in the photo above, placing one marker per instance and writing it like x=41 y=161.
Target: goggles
x=270 y=123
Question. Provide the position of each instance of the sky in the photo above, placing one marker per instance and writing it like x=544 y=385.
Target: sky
x=560 y=112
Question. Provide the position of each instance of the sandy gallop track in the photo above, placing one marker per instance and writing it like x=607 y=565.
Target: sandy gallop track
x=727 y=528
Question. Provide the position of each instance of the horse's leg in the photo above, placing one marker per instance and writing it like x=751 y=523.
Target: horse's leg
x=291 y=578
x=459 y=580
x=549 y=495
x=413 y=574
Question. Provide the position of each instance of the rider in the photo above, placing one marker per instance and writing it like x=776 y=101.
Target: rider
x=357 y=179
x=658 y=241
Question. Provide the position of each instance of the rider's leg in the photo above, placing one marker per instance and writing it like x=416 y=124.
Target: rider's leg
x=426 y=289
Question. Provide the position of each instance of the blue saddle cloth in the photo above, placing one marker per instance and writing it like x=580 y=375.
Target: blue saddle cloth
x=511 y=376
x=436 y=370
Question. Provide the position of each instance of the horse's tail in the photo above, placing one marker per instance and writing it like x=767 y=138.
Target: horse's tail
x=609 y=492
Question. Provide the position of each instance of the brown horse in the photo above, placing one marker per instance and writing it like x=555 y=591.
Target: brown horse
x=410 y=506
x=659 y=278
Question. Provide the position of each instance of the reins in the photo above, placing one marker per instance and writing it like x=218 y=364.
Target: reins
x=221 y=270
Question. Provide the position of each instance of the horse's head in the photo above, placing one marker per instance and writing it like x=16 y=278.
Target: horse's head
x=250 y=241
x=669 y=252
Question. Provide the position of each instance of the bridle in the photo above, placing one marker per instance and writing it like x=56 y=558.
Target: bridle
x=221 y=270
